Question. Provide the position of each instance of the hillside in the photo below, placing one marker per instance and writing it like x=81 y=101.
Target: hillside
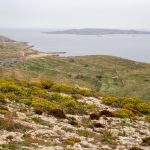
x=51 y=116
x=105 y=74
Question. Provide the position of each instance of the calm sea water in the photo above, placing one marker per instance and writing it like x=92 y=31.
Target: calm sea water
x=134 y=47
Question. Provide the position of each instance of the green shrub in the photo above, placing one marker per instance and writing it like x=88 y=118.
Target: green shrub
x=24 y=83
x=72 y=141
x=129 y=106
x=26 y=101
x=42 y=122
x=11 y=88
x=112 y=101
x=11 y=96
x=120 y=101
x=45 y=104
x=133 y=101
x=77 y=96
x=107 y=137
x=143 y=108
x=63 y=88
x=47 y=84
x=70 y=102
x=38 y=92
x=56 y=97
x=134 y=104
x=86 y=133
x=2 y=98
x=71 y=106
x=123 y=113
x=2 y=107
x=36 y=84
x=91 y=107
x=81 y=91
x=72 y=121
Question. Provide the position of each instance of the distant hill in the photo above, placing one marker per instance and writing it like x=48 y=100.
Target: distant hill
x=94 y=31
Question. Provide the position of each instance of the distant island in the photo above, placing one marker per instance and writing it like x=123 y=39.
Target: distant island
x=94 y=31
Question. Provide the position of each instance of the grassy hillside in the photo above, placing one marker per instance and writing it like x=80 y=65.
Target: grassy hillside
x=105 y=74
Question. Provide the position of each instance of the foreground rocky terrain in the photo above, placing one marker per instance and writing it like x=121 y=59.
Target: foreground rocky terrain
x=54 y=118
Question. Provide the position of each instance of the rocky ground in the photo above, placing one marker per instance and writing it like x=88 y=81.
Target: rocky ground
x=26 y=130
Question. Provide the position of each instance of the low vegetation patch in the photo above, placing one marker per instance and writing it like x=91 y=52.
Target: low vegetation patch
x=10 y=125
x=133 y=104
x=124 y=113
x=72 y=141
x=107 y=137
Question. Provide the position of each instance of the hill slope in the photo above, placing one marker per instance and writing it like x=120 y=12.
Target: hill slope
x=105 y=74
x=47 y=115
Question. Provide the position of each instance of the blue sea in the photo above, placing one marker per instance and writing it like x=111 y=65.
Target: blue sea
x=133 y=47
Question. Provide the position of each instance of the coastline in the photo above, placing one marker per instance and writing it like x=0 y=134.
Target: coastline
x=25 y=50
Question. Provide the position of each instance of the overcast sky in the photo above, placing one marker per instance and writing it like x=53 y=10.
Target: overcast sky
x=75 y=13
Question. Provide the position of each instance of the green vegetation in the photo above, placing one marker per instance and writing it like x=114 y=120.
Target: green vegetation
x=130 y=104
x=40 y=121
x=10 y=125
x=2 y=98
x=107 y=137
x=11 y=96
x=86 y=133
x=45 y=96
x=110 y=76
x=124 y=113
x=26 y=101
x=72 y=141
